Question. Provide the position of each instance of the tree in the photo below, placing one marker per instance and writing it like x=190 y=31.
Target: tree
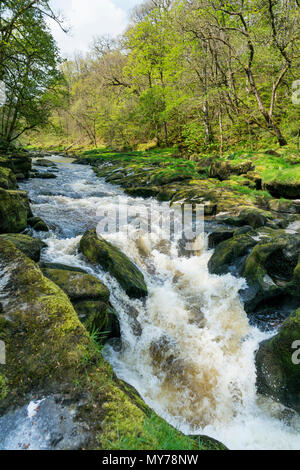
x=29 y=67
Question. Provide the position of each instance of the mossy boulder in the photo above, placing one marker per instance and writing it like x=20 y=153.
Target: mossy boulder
x=288 y=190
x=270 y=268
x=230 y=255
x=143 y=191
x=45 y=163
x=6 y=162
x=89 y=297
x=38 y=224
x=111 y=259
x=223 y=169
x=278 y=371
x=31 y=247
x=3 y=388
x=41 y=328
x=218 y=236
x=22 y=164
x=14 y=208
x=8 y=179
x=252 y=216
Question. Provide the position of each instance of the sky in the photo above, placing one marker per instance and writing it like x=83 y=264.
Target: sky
x=87 y=19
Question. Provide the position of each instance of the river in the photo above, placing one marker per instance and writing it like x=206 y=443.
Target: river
x=192 y=356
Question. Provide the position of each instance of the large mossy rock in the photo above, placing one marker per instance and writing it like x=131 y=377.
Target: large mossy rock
x=14 y=207
x=89 y=297
x=230 y=255
x=8 y=179
x=38 y=224
x=50 y=356
x=278 y=375
x=38 y=324
x=250 y=216
x=111 y=259
x=223 y=170
x=31 y=247
x=269 y=261
x=287 y=190
x=270 y=268
x=22 y=164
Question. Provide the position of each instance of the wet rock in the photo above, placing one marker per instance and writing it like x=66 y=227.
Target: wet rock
x=8 y=179
x=142 y=192
x=285 y=207
x=45 y=424
x=46 y=175
x=6 y=162
x=219 y=236
x=249 y=216
x=22 y=164
x=223 y=170
x=230 y=255
x=273 y=153
x=277 y=363
x=41 y=328
x=208 y=443
x=256 y=179
x=31 y=247
x=269 y=269
x=14 y=207
x=90 y=298
x=45 y=163
x=210 y=209
x=279 y=189
x=43 y=265
x=110 y=258
x=38 y=224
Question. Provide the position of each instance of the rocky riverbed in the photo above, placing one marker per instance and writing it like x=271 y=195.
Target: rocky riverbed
x=197 y=334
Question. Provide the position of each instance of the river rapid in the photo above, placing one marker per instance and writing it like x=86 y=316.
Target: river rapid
x=189 y=348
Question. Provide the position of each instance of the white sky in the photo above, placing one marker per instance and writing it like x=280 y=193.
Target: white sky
x=87 y=19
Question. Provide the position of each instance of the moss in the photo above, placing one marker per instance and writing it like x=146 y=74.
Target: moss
x=31 y=247
x=278 y=375
x=41 y=322
x=7 y=179
x=13 y=211
x=127 y=427
x=97 y=250
x=3 y=388
x=38 y=224
x=78 y=285
x=229 y=252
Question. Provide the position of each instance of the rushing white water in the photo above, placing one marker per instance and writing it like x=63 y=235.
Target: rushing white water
x=192 y=357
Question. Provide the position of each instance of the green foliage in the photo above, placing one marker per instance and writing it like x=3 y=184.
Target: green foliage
x=30 y=79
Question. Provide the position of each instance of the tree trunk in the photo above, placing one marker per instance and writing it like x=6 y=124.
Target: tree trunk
x=269 y=120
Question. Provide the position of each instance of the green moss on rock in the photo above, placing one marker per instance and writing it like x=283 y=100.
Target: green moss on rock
x=89 y=297
x=31 y=247
x=3 y=388
x=277 y=374
x=13 y=211
x=110 y=258
x=7 y=179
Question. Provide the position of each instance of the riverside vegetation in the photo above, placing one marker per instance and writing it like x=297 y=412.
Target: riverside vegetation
x=193 y=104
